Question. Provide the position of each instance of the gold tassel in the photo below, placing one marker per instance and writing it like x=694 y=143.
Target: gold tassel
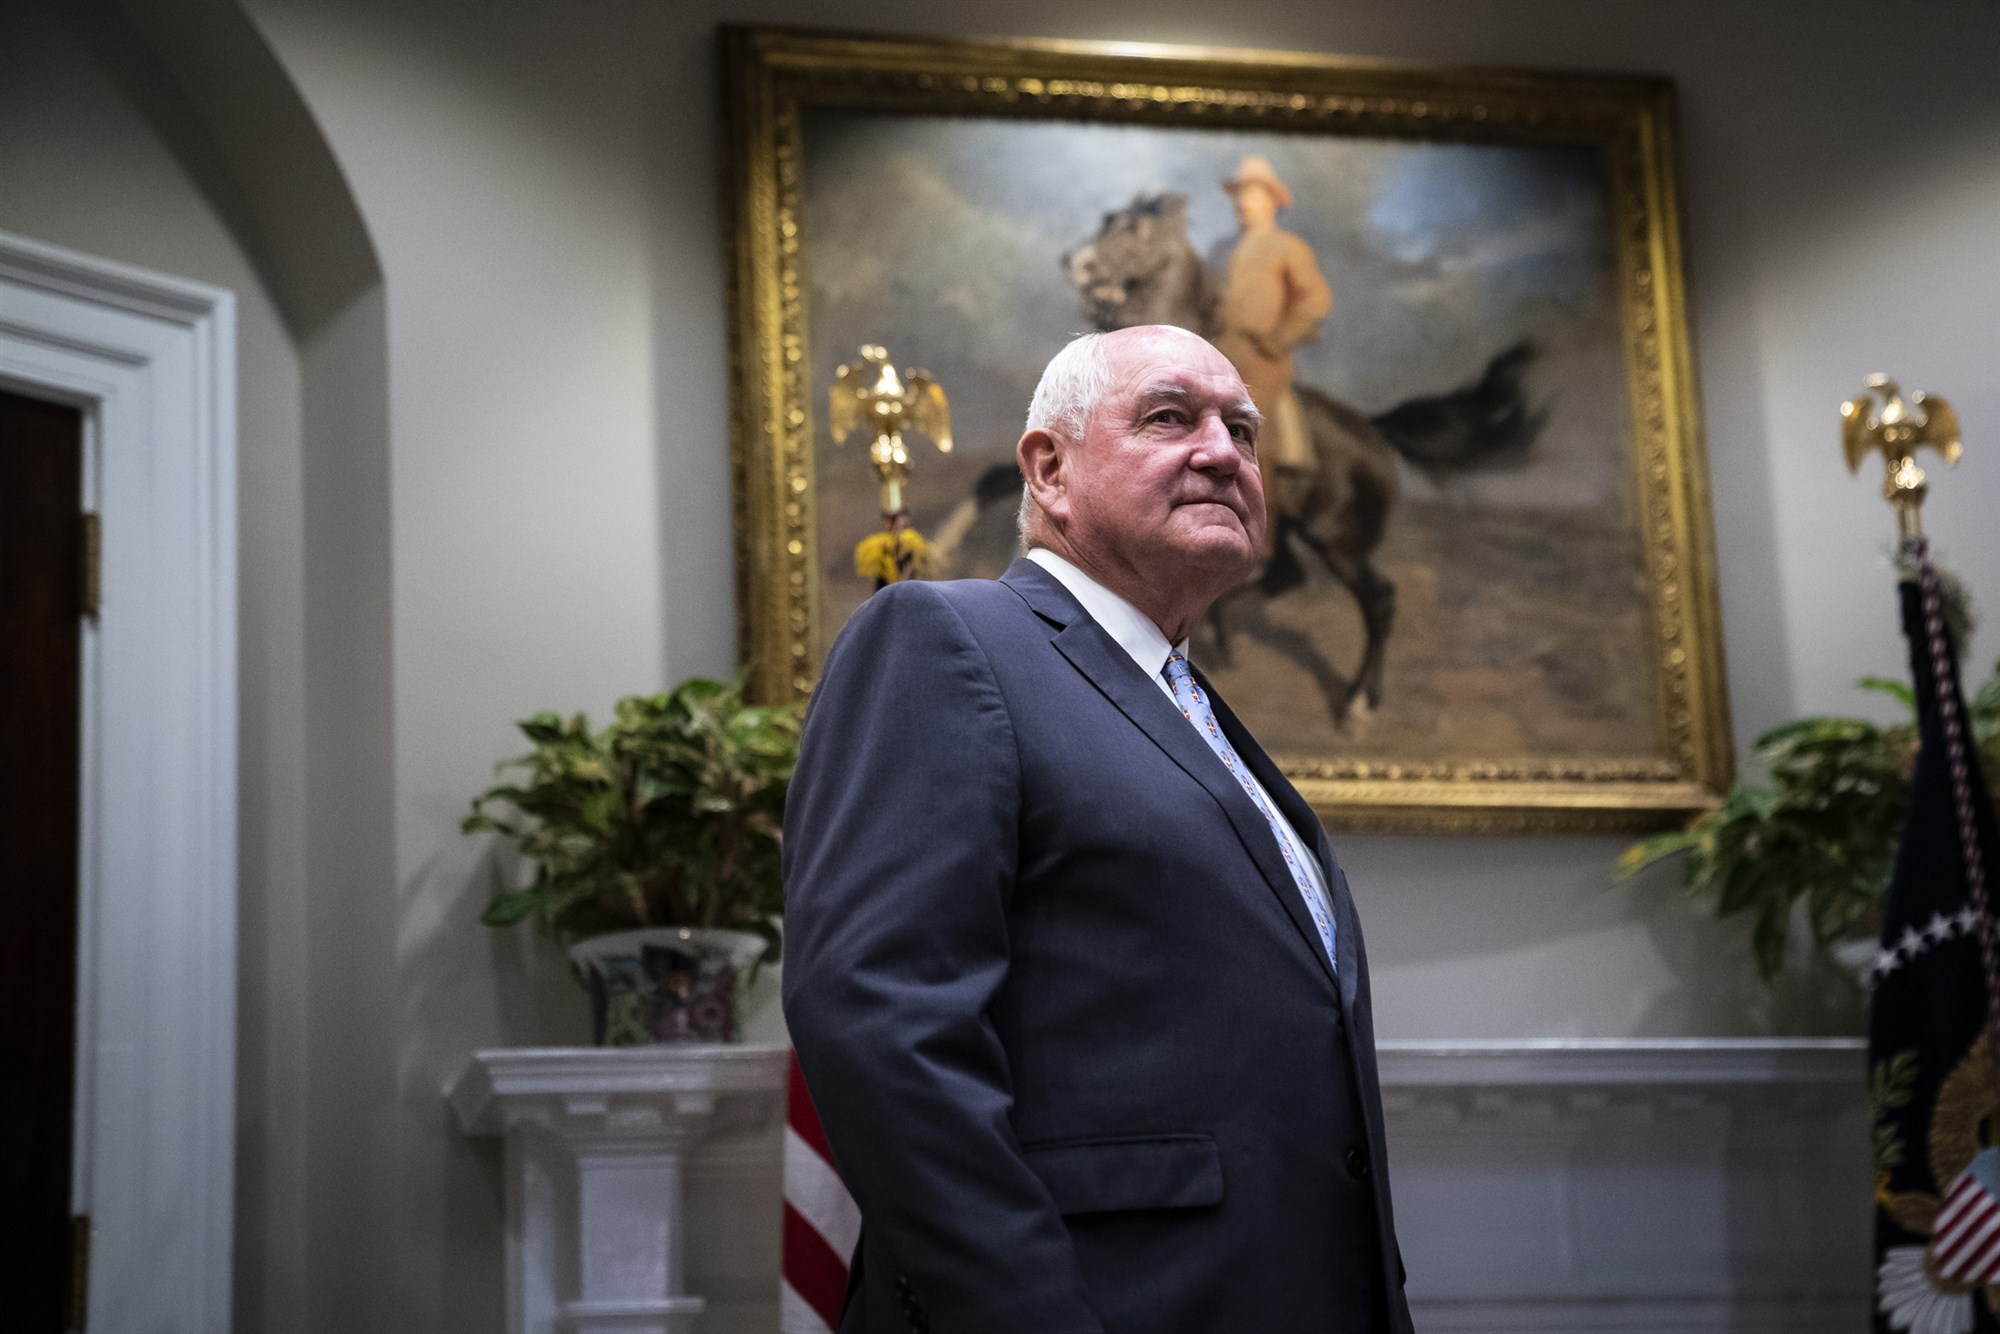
x=879 y=555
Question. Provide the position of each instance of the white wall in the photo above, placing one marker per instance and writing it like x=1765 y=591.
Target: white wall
x=81 y=166
x=539 y=182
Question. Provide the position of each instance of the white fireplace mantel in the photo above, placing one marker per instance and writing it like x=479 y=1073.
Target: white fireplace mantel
x=1663 y=1186
x=597 y=1147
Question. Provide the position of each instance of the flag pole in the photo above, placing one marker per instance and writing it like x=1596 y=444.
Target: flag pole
x=822 y=1222
x=1881 y=421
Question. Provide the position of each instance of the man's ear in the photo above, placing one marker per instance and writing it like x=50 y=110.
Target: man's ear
x=1043 y=467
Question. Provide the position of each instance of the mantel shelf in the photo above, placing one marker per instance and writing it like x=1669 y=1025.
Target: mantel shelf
x=1601 y=1062
x=503 y=1087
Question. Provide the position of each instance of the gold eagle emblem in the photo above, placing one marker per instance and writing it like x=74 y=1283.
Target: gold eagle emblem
x=1897 y=428
x=868 y=394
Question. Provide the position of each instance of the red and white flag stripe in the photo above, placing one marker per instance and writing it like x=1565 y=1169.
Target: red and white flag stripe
x=822 y=1222
x=1966 y=1243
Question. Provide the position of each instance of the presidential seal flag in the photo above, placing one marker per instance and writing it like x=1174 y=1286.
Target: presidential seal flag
x=1933 y=1073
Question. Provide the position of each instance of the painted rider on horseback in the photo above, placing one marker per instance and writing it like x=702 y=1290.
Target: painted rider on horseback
x=1273 y=300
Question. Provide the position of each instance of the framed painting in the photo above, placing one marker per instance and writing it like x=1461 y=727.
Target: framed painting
x=1490 y=602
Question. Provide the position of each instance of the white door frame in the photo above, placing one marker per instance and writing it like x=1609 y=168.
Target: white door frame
x=151 y=361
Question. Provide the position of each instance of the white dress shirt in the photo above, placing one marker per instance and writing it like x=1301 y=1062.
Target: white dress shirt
x=1147 y=645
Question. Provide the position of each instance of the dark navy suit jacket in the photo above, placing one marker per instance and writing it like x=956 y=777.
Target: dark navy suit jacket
x=1081 y=1058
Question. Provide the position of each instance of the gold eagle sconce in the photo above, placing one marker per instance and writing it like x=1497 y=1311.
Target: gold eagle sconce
x=1897 y=429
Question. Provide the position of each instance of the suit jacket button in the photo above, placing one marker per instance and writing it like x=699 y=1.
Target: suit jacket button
x=1357 y=1164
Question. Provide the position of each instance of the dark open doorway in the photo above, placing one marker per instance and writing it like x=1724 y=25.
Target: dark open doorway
x=41 y=598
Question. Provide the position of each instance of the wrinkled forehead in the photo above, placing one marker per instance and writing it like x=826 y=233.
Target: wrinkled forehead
x=1196 y=385
x=1148 y=359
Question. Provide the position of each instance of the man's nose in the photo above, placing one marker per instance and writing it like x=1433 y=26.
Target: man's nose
x=1215 y=450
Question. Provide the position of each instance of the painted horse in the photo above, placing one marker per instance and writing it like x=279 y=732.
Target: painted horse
x=1141 y=268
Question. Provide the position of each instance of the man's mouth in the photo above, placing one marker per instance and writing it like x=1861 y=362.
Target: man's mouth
x=1212 y=500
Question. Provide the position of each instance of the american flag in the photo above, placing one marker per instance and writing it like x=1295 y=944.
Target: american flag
x=822 y=1223
x=1967 y=1241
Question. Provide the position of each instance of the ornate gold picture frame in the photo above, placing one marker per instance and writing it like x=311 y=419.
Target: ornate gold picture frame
x=1507 y=341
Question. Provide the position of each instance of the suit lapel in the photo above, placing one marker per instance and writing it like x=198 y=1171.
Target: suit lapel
x=1346 y=943
x=1293 y=807
x=1093 y=652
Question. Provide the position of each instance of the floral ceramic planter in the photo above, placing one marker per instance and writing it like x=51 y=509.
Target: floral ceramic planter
x=666 y=984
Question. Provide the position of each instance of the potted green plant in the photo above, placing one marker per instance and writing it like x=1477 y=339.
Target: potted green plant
x=1822 y=831
x=654 y=843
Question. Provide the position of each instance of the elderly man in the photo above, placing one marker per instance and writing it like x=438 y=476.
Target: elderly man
x=1071 y=969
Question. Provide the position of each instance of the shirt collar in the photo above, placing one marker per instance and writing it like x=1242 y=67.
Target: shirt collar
x=1133 y=630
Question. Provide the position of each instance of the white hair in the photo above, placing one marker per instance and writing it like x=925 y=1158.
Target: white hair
x=1071 y=387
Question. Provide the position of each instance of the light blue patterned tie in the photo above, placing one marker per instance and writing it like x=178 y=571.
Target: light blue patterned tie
x=1194 y=706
